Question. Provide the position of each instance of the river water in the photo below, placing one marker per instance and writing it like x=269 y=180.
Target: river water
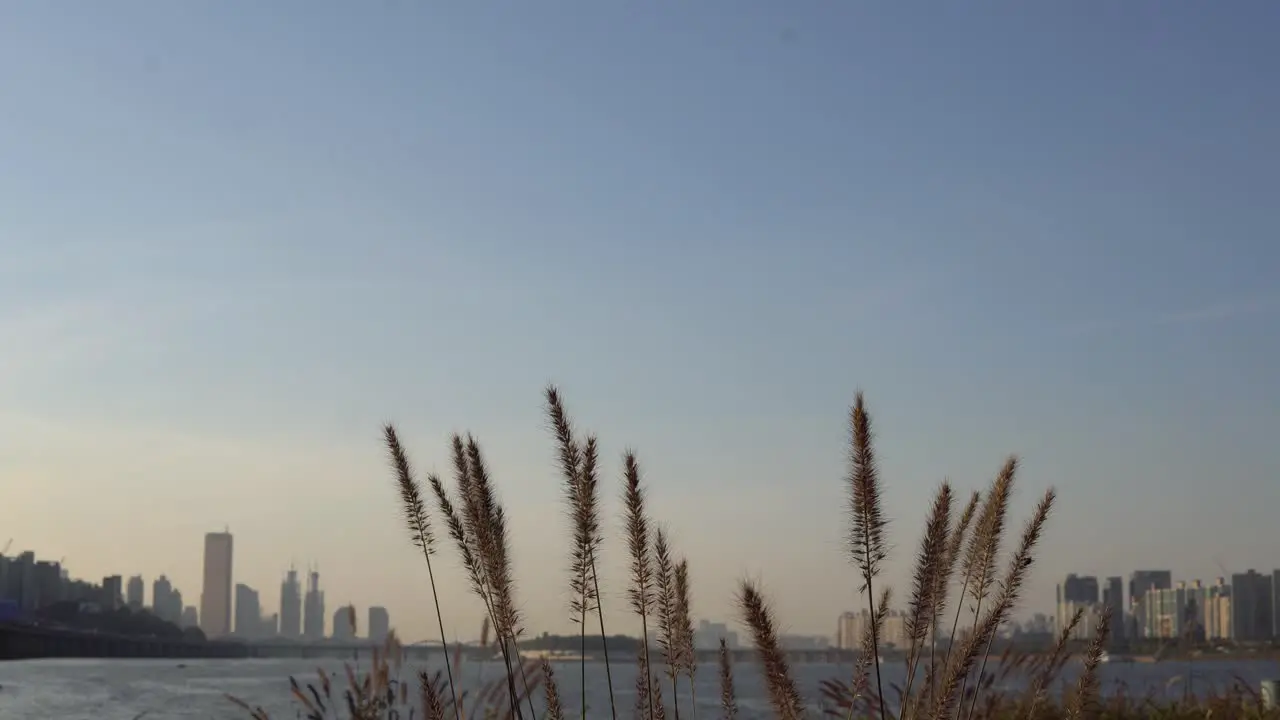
x=157 y=689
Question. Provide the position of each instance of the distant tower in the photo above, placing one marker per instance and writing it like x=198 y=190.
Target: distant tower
x=161 y=593
x=313 y=621
x=133 y=595
x=379 y=624
x=248 y=612
x=215 y=596
x=290 y=606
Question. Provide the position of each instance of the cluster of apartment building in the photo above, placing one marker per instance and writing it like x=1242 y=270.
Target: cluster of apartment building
x=225 y=609
x=853 y=625
x=1244 y=610
x=28 y=584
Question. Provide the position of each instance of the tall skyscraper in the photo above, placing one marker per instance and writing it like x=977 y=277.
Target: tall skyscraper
x=248 y=612
x=1140 y=582
x=112 y=586
x=313 y=621
x=290 y=606
x=1078 y=592
x=1251 y=607
x=1113 y=598
x=215 y=597
x=379 y=624
x=133 y=594
x=1275 y=602
x=161 y=590
x=190 y=618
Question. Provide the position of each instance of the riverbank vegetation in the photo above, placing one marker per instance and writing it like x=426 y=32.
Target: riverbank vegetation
x=969 y=573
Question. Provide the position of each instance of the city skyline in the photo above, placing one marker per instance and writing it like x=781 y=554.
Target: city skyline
x=230 y=258
x=1125 y=594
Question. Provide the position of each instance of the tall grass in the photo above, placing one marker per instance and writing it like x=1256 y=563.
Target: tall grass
x=957 y=576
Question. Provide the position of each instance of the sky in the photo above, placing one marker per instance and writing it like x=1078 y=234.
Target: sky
x=237 y=237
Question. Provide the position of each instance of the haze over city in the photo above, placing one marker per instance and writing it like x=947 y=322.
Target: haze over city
x=237 y=238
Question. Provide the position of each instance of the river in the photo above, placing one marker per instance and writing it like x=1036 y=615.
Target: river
x=160 y=689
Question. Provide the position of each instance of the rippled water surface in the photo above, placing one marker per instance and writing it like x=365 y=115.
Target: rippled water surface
x=123 y=689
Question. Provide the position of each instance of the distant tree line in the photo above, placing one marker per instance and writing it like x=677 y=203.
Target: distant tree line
x=573 y=643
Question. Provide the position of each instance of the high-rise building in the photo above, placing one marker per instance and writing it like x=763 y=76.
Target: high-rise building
x=379 y=624
x=1251 y=607
x=1140 y=582
x=112 y=585
x=708 y=635
x=290 y=606
x=176 y=607
x=133 y=594
x=313 y=620
x=1078 y=592
x=215 y=596
x=344 y=623
x=1275 y=603
x=161 y=590
x=849 y=629
x=190 y=618
x=248 y=612
x=1113 y=598
x=47 y=577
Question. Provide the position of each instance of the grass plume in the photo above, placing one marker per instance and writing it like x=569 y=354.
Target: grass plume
x=554 y=711
x=668 y=612
x=640 y=591
x=1084 y=702
x=420 y=531
x=579 y=468
x=781 y=686
x=867 y=522
x=728 y=696
x=927 y=580
x=684 y=630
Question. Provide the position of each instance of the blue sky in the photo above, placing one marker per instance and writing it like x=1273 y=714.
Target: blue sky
x=236 y=237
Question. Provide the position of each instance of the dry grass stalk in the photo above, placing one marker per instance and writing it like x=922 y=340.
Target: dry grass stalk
x=868 y=652
x=668 y=612
x=496 y=557
x=983 y=547
x=479 y=531
x=756 y=614
x=644 y=686
x=578 y=466
x=955 y=543
x=684 y=628
x=728 y=696
x=1011 y=585
x=1084 y=701
x=926 y=585
x=554 y=711
x=1051 y=667
x=640 y=591
x=867 y=526
x=432 y=706
x=978 y=642
x=659 y=706
x=415 y=511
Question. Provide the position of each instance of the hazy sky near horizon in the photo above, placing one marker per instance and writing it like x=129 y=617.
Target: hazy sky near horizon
x=236 y=237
